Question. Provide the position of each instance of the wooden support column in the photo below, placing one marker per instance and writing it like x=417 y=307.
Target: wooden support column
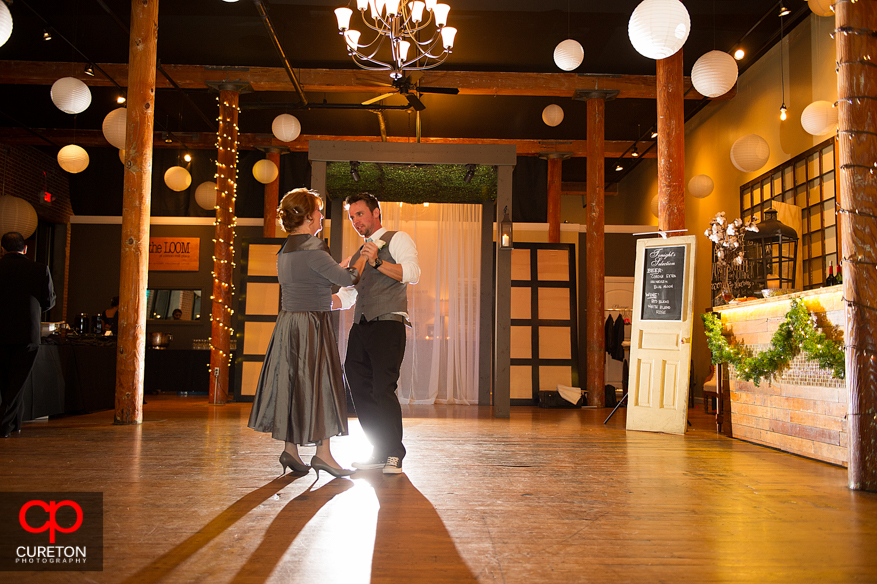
x=857 y=201
x=595 y=253
x=671 y=143
x=272 y=196
x=555 y=166
x=223 y=249
x=131 y=345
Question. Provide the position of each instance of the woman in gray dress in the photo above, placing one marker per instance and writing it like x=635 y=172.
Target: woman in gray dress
x=300 y=397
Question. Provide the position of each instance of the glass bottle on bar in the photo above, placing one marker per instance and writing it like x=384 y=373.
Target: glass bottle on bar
x=839 y=278
x=830 y=280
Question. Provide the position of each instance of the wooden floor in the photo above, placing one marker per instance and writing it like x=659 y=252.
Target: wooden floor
x=193 y=495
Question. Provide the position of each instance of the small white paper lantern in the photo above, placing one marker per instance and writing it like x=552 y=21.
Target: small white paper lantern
x=177 y=178
x=659 y=28
x=701 y=186
x=821 y=7
x=569 y=54
x=205 y=195
x=70 y=95
x=73 y=158
x=552 y=115
x=122 y=156
x=714 y=74
x=654 y=205
x=286 y=128
x=5 y=23
x=820 y=117
x=749 y=153
x=265 y=171
x=17 y=215
x=115 y=127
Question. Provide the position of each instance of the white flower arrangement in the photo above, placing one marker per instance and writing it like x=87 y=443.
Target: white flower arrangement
x=728 y=238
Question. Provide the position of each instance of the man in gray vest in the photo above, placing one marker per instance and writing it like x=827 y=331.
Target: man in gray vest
x=376 y=344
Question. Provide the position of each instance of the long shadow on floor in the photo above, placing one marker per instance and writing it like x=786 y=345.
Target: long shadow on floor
x=163 y=565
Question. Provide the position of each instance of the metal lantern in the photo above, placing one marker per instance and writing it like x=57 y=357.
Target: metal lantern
x=506 y=236
x=773 y=250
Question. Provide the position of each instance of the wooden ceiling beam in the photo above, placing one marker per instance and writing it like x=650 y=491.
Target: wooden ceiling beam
x=247 y=141
x=352 y=80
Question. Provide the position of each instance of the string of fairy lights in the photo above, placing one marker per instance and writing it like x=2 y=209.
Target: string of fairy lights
x=865 y=177
x=226 y=193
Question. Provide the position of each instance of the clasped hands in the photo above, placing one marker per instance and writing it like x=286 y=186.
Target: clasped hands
x=369 y=251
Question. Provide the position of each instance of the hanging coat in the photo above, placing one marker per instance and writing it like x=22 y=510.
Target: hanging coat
x=617 y=348
x=609 y=331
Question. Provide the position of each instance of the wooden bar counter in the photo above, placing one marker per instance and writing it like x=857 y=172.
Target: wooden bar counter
x=803 y=409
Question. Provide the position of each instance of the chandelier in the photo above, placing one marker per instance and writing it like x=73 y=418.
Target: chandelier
x=402 y=26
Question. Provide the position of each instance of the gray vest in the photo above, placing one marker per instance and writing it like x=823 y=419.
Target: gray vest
x=377 y=294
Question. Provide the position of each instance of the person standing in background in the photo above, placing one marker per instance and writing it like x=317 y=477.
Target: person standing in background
x=26 y=291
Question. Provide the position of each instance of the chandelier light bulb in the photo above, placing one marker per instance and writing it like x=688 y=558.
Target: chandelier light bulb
x=448 y=34
x=361 y=5
x=352 y=38
x=440 y=11
x=403 y=51
x=430 y=4
x=417 y=11
x=343 y=16
x=392 y=7
x=569 y=54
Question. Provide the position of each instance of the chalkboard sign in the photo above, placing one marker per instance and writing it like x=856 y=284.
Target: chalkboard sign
x=663 y=279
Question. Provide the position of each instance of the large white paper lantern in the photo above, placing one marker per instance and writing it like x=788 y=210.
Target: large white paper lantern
x=821 y=7
x=750 y=153
x=17 y=215
x=177 y=178
x=659 y=28
x=265 y=171
x=552 y=115
x=820 y=117
x=70 y=95
x=569 y=54
x=205 y=195
x=73 y=158
x=286 y=128
x=115 y=127
x=714 y=74
x=700 y=186
x=5 y=23
x=654 y=205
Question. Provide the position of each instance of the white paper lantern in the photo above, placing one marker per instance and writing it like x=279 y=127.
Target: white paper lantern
x=73 y=158
x=265 y=171
x=659 y=28
x=286 y=128
x=820 y=117
x=205 y=195
x=5 y=23
x=654 y=205
x=714 y=74
x=700 y=186
x=70 y=95
x=177 y=178
x=17 y=215
x=750 y=153
x=569 y=54
x=552 y=115
x=821 y=7
x=115 y=127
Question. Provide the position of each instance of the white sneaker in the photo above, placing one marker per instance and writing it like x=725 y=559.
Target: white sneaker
x=393 y=466
x=370 y=464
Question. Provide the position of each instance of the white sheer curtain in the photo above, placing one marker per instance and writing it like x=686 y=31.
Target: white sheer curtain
x=441 y=355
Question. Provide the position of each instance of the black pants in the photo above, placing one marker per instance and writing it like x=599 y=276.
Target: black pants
x=374 y=356
x=16 y=361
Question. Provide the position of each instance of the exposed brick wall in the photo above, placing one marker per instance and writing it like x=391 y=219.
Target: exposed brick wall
x=803 y=410
x=22 y=169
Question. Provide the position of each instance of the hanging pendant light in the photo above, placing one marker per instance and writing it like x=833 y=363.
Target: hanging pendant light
x=658 y=28
x=177 y=178
x=205 y=195
x=714 y=74
x=569 y=54
x=552 y=115
x=70 y=95
x=286 y=128
x=115 y=127
x=265 y=171
x=5 y=23
x=16 y=214
x=818 y=118
x=73 y=158
x=749 y=153
x=700 y=186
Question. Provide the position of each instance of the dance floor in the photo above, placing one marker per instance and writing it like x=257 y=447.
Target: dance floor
x=193 y=495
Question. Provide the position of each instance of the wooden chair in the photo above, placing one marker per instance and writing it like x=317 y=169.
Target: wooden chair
x=712 y=390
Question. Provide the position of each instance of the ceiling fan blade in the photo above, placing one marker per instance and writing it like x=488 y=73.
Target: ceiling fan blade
x=414 y=102
x=445 y=90
x=372 y=82
x=378 y=98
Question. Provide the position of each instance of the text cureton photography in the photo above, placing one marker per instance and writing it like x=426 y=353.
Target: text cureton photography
x=51 y=531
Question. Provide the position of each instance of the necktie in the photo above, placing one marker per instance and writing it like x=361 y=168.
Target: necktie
x=368 y=240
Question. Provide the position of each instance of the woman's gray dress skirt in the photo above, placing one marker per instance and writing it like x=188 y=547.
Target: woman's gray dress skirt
x=300 y=397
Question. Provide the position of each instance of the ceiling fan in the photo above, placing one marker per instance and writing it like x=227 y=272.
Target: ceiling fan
x=408 y=87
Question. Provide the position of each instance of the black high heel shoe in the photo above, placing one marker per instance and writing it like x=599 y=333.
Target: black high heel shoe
x=317 y=464
x=287 y=461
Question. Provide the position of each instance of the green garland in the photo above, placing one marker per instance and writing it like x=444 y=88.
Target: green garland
x=796 y=332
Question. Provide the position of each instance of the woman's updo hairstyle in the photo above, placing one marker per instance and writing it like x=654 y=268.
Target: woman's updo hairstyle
x=297 y=207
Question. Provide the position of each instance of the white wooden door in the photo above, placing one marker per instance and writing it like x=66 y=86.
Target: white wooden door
x=660 y=343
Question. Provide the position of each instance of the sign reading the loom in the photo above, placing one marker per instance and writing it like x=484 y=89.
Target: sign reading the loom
x=174 y=254
x=663 y=279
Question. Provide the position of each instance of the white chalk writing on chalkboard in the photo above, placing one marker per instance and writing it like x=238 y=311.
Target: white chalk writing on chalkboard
x=662 y=283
